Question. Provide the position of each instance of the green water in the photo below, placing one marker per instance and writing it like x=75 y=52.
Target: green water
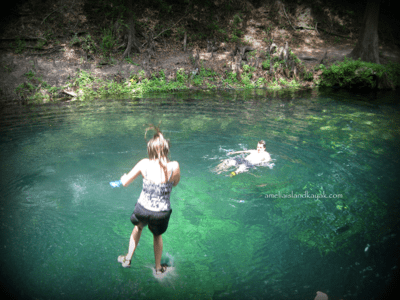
x=259 y=235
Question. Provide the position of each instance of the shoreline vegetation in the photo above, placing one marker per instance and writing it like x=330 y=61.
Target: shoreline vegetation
x=249 y=45
x=85 y=86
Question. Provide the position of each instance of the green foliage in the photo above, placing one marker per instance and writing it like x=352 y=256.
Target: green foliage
x=237 y=19
x=48 y=35
x=236 y=33
x=231 y=78
x=75 y=40
x=213 y=25
x=222 y=31
x=308 y=76
x=134 y=78
x=108 y=41
x=197 y=36
x=247 y=75
x=296 y=59
x=207 y=73
x=88 y=44
x=129 y=60
x=180 y=33
x=358 y=74
x=393 y=72
x=18 y=46
x=110 y=9
x=24 y=89
x=197 y=81
x=40 y=43
x=163 y=6
x=30 y=74
x=181 y=76
x=35 y=90
x=261 y=82
x=266 y=64
x=8 y=69
x=248 y=69
x=160 y=28
x=277 y=64
x=283 y=81
x=83 y=79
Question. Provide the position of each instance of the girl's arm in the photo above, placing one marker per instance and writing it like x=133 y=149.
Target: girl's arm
x=177 y=174
x=126 y=179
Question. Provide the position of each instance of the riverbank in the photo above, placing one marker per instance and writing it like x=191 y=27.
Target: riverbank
x=28 y=79
x=249 y=49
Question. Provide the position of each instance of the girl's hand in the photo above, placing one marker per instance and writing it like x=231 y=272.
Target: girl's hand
x=124 y=179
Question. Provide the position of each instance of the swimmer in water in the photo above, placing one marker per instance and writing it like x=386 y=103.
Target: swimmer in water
x=256 y=157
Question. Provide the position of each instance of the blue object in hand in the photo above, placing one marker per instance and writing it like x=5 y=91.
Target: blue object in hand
x=115 y=184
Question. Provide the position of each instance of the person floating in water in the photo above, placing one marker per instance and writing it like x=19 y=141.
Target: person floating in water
x=153 y=206
x=255 y=158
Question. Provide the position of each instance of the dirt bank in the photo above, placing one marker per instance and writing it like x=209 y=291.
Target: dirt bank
x=50 y=68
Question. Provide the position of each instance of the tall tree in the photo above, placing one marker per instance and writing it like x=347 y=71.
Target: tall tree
x=131 y=31
x=367 y=44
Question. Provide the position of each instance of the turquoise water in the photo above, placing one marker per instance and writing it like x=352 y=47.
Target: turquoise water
x=324 y=218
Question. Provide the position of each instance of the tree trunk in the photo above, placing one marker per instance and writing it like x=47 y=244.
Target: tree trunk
x=367 y=44
x=131 y=32
x=184 y=42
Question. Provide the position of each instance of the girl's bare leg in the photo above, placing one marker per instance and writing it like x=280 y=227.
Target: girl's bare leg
x=158 y=248
x=134 y=240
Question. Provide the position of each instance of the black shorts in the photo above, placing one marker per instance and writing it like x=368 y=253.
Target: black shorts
x=240 y=160
x=157 y=220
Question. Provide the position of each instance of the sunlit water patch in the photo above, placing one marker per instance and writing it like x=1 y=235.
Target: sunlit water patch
x=323 y=217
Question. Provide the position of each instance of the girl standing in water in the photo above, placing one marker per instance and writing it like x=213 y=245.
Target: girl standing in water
x=153 y=207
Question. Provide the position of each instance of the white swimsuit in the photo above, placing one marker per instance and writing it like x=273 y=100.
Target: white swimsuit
x=155 y=196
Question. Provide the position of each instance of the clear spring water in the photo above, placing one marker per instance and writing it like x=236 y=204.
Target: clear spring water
x=259 y=235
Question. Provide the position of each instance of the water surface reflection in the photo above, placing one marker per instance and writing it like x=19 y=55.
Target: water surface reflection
x=263 y=234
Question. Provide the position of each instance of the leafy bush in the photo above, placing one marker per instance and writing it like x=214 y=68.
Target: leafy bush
x=181 y=76
x=393 y=71
x=83 y=79
x=230 y=78
x=236 y=33
x=108 y=40
x=88 y=44
x=359 y=74
x=266 y=64
x=308 y=76
x=75 y=40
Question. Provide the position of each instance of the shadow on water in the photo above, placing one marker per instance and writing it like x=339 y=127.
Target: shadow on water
x=324 y=217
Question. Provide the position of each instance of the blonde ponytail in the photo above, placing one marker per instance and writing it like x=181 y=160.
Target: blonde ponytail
x=158 y=148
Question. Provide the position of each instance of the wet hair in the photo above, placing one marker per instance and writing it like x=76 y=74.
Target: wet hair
x=262 y=142
x=158 y=148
